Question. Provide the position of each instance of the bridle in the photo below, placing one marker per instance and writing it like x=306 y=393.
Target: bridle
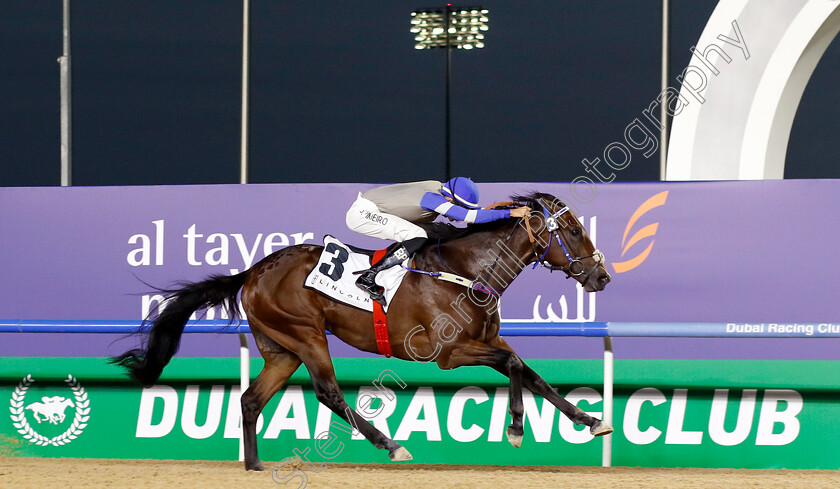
x=575 y=267
x=553 y=227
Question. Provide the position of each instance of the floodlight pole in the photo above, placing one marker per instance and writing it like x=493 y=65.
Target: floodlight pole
x=448 y=167
x=428 y=28
x=663 y=109
x=243 y=135
x=66 y=105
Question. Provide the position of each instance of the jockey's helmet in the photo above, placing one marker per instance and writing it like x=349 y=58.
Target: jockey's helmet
x=463 y=191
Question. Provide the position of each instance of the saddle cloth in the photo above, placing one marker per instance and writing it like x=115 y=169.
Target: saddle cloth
x=333 y=276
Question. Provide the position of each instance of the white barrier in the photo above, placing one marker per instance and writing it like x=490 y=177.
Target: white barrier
x=605 y=330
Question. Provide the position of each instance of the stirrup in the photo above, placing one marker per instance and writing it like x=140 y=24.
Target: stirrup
x=367 y=282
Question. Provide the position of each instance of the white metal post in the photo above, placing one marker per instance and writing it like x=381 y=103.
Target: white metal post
x=244 y=354
x=606 y=457
x=244 y=381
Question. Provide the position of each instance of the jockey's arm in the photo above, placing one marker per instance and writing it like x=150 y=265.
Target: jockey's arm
x=438 y=203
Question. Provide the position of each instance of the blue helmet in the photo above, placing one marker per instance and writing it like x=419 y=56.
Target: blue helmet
x=463 y=191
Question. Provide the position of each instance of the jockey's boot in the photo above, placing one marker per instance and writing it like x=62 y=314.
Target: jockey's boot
x=395 y=256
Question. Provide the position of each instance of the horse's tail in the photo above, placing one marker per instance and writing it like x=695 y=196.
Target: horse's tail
x=164 y=336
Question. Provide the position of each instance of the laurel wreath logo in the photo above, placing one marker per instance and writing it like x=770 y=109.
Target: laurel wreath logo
x=79 y=421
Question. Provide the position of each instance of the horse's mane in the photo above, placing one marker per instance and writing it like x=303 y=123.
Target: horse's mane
x=446 y=232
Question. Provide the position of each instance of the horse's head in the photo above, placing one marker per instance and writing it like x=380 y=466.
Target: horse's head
x=561 y=242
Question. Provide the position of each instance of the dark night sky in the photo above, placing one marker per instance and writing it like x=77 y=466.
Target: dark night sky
x=339 y=94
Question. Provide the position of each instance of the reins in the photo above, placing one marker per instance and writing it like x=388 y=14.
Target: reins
x=491 y=291
x=458 y=279
x=552 y=225
x=527 y=220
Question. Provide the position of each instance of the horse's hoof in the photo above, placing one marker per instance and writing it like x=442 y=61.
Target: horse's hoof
x=400 y=455
x=514 y=439
x=600 y=429
x=255 y=467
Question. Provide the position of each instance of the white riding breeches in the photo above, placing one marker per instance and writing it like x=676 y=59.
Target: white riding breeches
x=365 y=218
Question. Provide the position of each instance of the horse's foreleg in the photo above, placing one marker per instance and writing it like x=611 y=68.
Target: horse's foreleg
x=533 y=382
x=538 y=386
x=513 y=365
x=279 y=366
x=506 y=362
x=320 y=367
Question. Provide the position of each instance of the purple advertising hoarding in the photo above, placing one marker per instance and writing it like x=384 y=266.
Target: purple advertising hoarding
x=742 y=252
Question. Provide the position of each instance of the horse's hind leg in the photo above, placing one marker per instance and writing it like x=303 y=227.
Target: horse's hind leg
x=316 y=357
x=280 y=364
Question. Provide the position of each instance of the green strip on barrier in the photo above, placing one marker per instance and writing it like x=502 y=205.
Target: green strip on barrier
x=710 y=413
x=804 y=374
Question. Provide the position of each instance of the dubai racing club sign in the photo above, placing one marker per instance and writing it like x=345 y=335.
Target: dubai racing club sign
x=448 y=418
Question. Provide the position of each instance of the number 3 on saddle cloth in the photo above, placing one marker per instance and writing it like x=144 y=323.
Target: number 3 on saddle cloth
x=333 y=276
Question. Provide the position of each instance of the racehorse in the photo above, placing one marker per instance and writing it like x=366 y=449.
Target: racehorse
x=289 y=322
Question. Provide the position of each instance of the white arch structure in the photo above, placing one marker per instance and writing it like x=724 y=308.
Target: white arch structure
x=738 y=128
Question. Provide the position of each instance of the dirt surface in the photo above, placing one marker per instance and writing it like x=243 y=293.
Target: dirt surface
x=40 y=473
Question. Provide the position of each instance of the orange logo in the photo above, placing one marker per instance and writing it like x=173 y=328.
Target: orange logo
x=647 y=231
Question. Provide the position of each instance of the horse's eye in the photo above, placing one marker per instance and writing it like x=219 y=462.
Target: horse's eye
x=575 y=231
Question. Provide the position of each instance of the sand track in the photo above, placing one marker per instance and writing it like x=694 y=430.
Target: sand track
x=21 y=472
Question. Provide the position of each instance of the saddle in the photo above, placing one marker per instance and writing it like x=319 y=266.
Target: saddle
x=334 y=276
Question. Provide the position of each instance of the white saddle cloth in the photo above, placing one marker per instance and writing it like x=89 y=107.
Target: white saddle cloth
x=333 y=276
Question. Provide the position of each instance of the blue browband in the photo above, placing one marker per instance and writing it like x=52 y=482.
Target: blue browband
x=551 y=225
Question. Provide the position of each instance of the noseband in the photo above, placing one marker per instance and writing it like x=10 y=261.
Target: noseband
x=552 y=225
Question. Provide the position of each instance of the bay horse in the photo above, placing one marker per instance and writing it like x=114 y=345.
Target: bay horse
x=289 y=322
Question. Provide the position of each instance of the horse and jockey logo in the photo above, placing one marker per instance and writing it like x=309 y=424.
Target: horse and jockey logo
x=52 y=409
x=50 y=413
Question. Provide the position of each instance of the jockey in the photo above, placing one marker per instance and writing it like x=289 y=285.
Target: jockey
x=393 y=211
